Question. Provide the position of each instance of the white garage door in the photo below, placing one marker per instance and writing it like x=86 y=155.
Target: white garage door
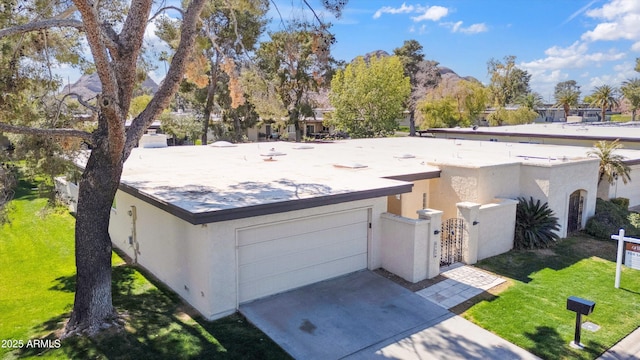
x=282 y=256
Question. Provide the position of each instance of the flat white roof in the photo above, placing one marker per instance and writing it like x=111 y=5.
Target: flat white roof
x=629 y=131
x=205 y=184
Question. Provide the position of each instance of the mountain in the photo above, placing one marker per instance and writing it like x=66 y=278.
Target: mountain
x=88 y=86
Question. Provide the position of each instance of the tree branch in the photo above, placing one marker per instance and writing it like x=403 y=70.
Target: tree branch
x=81 y=101
x=88 y=137
x=164 y=9
x=41 y=25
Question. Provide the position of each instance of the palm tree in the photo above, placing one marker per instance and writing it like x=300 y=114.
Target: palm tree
x=631 y=91
x=612 y=165
x=531 y=100
x=604 y=97
x=567 y=99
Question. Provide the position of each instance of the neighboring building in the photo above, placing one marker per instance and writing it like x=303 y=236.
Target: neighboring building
x=226 y=225
x=582 y=135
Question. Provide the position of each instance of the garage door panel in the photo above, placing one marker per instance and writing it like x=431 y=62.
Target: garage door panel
x=299 y=243
x=264 y=287
x=296 y=227
x=286 y=255
x=272 y=266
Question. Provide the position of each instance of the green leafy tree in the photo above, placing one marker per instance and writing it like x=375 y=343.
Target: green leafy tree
x=180 y=126
x=612 y=165
x=502 y=116
x=369 y=97
x=536 y=225
x=114 y=38
x=441 y=113
x=637 y=68
x=291 y=66
x=631 y=91
x=423 y=74
x=230 y=31
x=508 y=82
x=531 y=101
x=604 y=97
x=138 y=104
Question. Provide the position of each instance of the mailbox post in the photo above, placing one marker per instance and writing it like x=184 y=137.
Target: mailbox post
x=580 y=307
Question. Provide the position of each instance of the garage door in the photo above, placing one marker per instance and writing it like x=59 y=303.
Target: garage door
x=282 y=256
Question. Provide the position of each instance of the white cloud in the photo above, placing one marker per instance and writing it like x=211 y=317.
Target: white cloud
x=403 y=9
x=636 y=46
x=433 y=13
x=472 y=29
x=620 y=19
x=575 y=56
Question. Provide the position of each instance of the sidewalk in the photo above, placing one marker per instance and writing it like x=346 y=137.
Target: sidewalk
x=627 y=348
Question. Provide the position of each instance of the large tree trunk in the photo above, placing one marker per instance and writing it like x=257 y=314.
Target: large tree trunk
x=93 y=309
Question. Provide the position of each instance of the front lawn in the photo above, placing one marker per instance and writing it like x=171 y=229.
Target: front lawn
x=36 y=295
x=531 y=313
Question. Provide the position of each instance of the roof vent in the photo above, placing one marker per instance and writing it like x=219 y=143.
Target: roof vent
x=303 y=147
x=273 y=152
x=404 y=156
x=350 y=165
x=223 y=144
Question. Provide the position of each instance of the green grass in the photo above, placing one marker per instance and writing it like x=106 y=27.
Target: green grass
x=36 y=295
x=532 y=312
x=620 y=118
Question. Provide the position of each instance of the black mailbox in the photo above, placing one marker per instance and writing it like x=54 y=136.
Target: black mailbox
x=580 y=306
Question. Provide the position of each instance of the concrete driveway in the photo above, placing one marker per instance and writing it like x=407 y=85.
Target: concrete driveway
x=363 y=316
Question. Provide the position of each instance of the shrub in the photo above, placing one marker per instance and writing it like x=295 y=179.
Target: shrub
x=622 y=202
x=610 y=217
x=535 y=225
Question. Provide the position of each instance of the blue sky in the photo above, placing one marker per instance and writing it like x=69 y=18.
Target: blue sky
x=593 y=42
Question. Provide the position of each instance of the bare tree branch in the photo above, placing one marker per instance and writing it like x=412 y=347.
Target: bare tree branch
x=82 y=101
x=41 y=25
x=88 y=137
x=164 y=9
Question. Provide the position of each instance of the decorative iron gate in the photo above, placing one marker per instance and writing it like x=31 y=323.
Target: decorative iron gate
x=451 y=241
x=574 y=219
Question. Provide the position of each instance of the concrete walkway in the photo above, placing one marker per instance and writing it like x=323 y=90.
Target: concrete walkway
x=463 y=282
x=627 y=348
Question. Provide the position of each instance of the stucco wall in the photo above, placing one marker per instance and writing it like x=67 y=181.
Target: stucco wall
x=67 y=192
x=631 y=190
x=199 y=261
x=408 y=204
x=555 y=182
x=472 y=184
x=496 y=226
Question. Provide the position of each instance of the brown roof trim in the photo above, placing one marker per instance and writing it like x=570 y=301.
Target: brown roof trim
x=415 y=177
x=263 y=209
x=518 y=134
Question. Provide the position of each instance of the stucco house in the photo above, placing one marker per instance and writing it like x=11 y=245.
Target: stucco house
x=223 y=225
x=581 y=135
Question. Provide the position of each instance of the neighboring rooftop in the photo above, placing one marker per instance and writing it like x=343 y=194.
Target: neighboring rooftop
x=627 y=132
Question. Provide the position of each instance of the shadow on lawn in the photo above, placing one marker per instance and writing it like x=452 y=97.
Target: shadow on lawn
x=157 y=327
x=520 y=264
x=550 y=345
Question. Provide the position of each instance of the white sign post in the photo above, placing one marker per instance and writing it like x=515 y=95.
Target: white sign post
x=621 y=239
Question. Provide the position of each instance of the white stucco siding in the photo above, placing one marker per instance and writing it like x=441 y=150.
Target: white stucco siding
x=565 y=179
x=199 y=262
x=499 y=181
x=173 y=250
x=630 y=190
x=496 y=226
x=456 y=184
x=554 y=183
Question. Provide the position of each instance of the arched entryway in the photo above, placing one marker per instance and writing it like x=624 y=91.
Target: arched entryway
x=574 y=217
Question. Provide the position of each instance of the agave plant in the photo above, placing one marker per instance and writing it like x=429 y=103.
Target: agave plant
x=535 y=225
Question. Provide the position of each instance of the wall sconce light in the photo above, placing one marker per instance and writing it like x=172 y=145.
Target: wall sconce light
x=476 y=223
x=436 y=232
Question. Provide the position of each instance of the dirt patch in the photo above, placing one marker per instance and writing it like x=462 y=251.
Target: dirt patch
x=545 y=252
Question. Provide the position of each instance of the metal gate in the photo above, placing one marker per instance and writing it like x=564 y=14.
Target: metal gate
x=451 y=241
x=574 y=219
